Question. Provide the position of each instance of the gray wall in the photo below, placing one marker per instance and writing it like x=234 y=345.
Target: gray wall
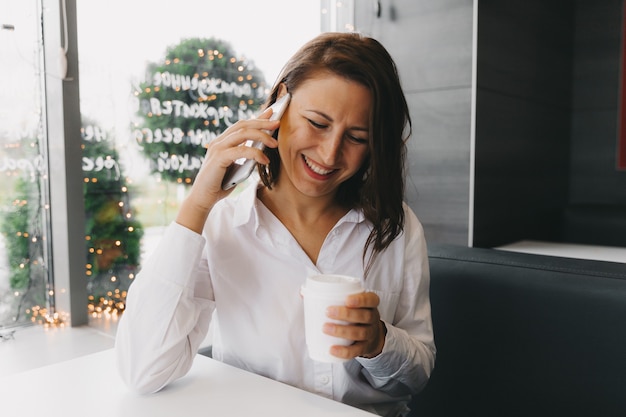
x=431 y=42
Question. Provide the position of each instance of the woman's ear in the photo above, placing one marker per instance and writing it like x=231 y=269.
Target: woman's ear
x=282 y=90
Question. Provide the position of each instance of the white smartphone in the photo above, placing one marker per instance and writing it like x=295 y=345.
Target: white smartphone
x=242 y=168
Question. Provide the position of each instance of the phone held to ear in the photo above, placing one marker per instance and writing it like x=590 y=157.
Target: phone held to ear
x=242 y=168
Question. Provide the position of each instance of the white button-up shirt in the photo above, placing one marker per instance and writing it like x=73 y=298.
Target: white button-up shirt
x=244 y=275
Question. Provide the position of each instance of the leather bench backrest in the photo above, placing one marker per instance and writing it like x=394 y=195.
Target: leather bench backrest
x=525 y=335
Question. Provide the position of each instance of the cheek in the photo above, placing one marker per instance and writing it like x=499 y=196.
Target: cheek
x=357 y=157
x=295 y=140
x=287 y=132
x=290 y=142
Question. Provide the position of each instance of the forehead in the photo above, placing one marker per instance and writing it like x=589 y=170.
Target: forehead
x=332 y=92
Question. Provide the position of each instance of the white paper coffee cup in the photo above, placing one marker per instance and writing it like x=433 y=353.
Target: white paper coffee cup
x=320 y=292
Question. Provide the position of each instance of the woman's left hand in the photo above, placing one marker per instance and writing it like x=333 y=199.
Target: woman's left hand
x=365 y=326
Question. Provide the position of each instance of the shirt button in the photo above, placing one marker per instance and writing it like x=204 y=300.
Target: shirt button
x=324 y=380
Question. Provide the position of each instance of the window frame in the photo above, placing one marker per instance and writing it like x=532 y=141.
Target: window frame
x=62 y=126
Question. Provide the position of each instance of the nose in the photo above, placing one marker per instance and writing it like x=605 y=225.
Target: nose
x=330 y=148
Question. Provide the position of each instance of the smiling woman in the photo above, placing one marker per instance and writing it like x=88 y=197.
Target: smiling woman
x=330 y=200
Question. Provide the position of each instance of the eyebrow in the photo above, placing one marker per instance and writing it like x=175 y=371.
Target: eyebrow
x=330 y=119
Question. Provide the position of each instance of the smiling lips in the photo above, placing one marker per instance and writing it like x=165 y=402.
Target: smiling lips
x=316 y=168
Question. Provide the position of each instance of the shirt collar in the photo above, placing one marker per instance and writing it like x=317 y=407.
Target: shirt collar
x=245 y=204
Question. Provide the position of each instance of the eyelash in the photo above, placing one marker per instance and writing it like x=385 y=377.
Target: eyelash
x=360 y=141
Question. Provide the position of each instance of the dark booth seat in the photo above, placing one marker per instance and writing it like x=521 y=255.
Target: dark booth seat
x=525 y=335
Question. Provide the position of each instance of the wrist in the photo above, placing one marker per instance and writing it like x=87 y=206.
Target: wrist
x=192 y=216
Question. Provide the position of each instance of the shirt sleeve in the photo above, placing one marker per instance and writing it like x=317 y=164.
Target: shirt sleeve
x=408 y=357
x=169 y=307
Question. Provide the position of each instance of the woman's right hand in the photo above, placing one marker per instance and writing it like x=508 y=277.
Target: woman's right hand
x=221 y=153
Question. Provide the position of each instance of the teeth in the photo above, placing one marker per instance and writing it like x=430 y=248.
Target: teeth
x=317 y=169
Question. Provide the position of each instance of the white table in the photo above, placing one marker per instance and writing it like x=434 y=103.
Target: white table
x=90 y=386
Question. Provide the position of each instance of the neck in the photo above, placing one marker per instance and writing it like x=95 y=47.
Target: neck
x=309 y=220
x=298 y=207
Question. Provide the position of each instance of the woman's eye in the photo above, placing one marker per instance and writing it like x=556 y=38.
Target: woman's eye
x=355 y=139
x=316 y=125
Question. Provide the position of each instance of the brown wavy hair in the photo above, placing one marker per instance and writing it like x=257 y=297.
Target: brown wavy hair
x=378 y=187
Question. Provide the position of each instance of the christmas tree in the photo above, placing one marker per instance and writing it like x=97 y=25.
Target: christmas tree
x=112 y=234
x=199 y=89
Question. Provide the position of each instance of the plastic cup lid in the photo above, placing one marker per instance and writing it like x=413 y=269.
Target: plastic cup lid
x=332 y=283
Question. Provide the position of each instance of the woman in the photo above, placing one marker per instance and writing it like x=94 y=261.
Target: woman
x=330 y=200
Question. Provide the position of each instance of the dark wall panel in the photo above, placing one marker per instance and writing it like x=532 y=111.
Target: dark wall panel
x=522 y=120
x=525 y=49
x=595 y=178
x=521 y=170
